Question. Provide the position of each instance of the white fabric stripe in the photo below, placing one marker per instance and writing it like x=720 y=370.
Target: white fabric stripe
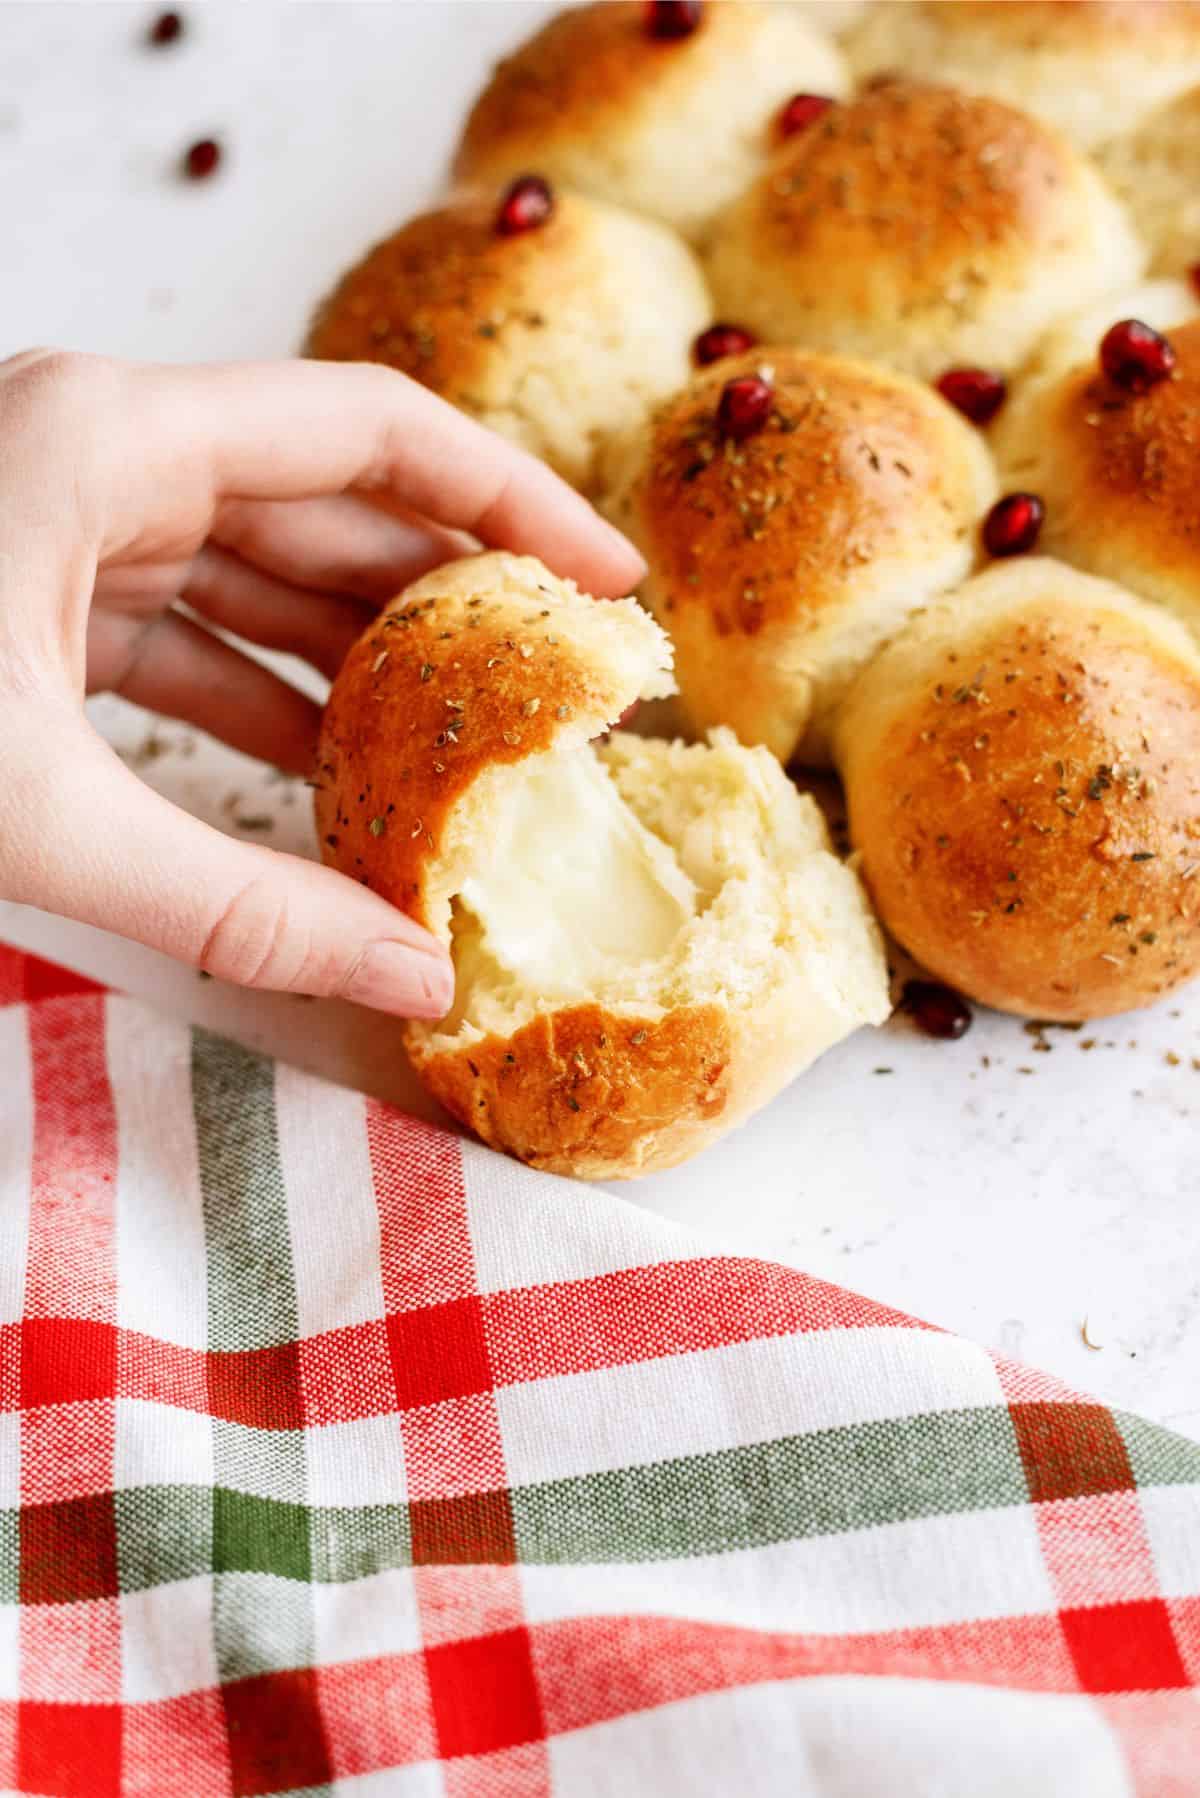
x=728 y=1397
x=1172 y=1515
x=892 y=1576
x=847 y=1738
x=367 y=1617
x=10 y=1460
x=167 y=1640
x=532 y=1230
x=10 y=1652
x=162 y=1265
x=424 y=1780
x=161 y=1445
x=357 y=1463
x=16 y=1156
x=331 y=1202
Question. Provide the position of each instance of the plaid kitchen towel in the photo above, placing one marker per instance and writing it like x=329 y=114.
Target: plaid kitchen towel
x=338 y=1456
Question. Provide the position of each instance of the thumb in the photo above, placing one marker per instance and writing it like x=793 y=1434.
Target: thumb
x=82 y=836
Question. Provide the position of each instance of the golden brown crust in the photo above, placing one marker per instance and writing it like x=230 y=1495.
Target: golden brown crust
x=1118 y=473
x=432 y=299
x=582 y=75
x=854 y=464
x=1029 y=818
x=949 y=187
x=580 y=1091
x=442 y=686
x=780 y=563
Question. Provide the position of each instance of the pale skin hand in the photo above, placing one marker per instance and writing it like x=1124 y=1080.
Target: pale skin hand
x=285 y=502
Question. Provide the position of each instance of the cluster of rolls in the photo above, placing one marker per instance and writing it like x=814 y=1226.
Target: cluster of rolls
x=861 y=340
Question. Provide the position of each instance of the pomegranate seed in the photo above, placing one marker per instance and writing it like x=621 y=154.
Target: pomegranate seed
x=202 y=159
x=744 y=407
x=1012 y=525
x=976 y=392
x=527 y=204
x=801 y=111
x=936 y=1009
x=720 y=341
x=165 y=29
x=1135 y=356
x=667 y=20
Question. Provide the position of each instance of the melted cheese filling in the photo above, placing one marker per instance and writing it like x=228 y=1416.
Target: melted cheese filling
x=574 y=886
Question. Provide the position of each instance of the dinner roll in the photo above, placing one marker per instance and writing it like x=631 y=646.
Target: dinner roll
x=670 y=126
x=1090 y=67
x=1117 y=472
x=1022 y=770
x=780 y=563
x=554 y=335
x=1154 y=171
x=921 y=227
x=1163 y=304
x=649 y=939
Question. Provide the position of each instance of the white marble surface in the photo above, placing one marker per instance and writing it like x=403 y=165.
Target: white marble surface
x=1010 y=1201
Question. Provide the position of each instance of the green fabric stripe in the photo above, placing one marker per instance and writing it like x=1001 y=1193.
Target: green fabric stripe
x=1158 y=1456
x=812 y=1485
x=820 y=1484
x=10 y=1557
x=251 y=1294
x=163 y=1533
x=251 y=1304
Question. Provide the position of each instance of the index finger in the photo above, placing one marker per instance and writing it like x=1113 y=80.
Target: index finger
x=290 y=430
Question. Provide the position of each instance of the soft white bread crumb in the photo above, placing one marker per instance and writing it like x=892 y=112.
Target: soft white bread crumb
x=650 y=939
x=1090 y=67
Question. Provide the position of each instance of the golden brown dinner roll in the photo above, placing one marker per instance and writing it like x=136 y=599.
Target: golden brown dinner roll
x=1090 y=67
x=780 y=562
x=1164 y=304
x=673 y=126
x=1118 y=473
x=555 y=334
x=1154 y=170
x=923 y=228
x=1022 y=769
x=649 y=939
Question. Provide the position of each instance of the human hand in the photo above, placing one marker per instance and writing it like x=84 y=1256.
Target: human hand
x=281 y=501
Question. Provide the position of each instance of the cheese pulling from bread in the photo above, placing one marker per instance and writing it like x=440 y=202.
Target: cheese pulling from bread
x=650 y=939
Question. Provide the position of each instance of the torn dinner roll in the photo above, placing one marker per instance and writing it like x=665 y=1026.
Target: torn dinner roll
x=650 y=939
x=780 y=560
x=1022 y=772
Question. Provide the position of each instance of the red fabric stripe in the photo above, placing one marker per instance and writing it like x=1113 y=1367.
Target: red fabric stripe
x=593 y=1668
x=68 y=1538
x=28 y=979
x=482 y=1691
x=673 y=1308
x=1159 y=1733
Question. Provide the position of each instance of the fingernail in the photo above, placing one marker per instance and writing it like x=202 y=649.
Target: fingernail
x=398 y=978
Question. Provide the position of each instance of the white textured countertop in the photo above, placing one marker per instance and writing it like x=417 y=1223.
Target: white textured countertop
x=995 y=1186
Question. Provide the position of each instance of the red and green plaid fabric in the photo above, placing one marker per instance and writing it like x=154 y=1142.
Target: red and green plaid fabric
x=338 y=1456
